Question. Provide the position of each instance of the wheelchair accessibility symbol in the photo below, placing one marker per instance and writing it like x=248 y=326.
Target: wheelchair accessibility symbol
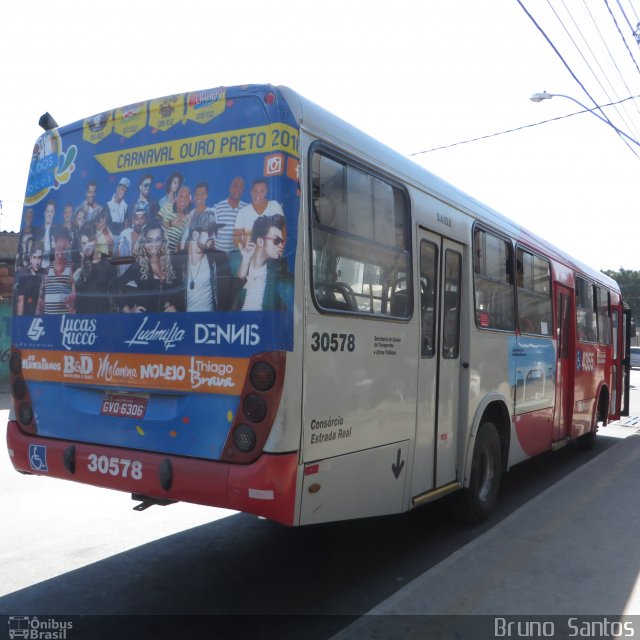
x=38 y=457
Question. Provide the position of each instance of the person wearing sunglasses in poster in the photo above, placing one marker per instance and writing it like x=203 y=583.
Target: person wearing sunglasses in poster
x=268 y=284
x=144 y=201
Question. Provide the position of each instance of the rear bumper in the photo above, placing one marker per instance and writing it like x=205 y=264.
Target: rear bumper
x=266 y=487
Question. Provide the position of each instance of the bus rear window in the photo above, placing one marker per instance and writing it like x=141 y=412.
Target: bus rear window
x=361 y=253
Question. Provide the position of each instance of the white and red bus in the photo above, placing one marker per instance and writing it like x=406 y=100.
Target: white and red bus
x=281 y=316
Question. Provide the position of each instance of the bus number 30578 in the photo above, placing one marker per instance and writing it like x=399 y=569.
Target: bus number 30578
x=333 y=341
x=115 y=466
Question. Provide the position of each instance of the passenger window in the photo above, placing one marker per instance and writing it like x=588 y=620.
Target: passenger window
x=533 y=275
x=451 y=305
x=360 y=238
x=604 y=316
x=587 y=324
x=493 y=281
x=428 y=296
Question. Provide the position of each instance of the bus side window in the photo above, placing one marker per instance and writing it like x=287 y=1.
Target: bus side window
x=451 y=315
x=493 y=281
x=604 y=316
x=587 y=323
x=428 y=296
x=533 y=275
x=360 y=245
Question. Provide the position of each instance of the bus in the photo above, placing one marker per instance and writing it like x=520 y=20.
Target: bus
x=233 y=298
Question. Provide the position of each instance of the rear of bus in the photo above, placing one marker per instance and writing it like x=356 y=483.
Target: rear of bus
x=121 y=375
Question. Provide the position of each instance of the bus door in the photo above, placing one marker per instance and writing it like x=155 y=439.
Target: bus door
x=565 y=363
x=628 y=330
x=439 y=364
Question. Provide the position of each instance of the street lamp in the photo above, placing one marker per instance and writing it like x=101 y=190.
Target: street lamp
x=539 y=97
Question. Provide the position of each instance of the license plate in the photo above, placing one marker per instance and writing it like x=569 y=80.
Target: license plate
x=122 y=406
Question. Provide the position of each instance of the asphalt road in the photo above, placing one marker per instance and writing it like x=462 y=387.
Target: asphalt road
x=68 y=549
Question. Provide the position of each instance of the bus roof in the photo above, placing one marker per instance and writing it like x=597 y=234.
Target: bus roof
x=318 y=121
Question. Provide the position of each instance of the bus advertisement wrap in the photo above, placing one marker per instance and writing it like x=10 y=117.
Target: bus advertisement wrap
x=144 y=210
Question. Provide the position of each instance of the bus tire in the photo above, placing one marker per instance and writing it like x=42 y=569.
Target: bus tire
x=588 y=440
x=479 y=499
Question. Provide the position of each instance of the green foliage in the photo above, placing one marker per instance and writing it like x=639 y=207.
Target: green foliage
x=629 y=282
x=624 y=276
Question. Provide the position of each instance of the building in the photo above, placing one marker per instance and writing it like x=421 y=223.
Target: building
x=8 y=251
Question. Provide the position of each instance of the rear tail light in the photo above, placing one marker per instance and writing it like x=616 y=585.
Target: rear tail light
x=19 y=388
x=25 y=414
x=15 y=363
x=21 y=396
x=262 y=375
x=259 y=404
x=254 y=408
x=244 y=438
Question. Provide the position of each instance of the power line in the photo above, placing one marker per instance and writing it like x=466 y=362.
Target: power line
x=633 y=31
x=621 y=35
x=624 y=114
x=635 y=13
x=573 y=75
x=612 y=58
x=627 y=120
x=526 y=126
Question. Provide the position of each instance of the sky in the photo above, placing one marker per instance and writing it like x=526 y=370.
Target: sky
x=415 y=74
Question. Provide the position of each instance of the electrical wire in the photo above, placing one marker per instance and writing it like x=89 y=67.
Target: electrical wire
x=635 y=13
x=626 y=118
x=521 y=128
x=629 y=123
x=622 y=11
x=621 y=35
x=573 y=75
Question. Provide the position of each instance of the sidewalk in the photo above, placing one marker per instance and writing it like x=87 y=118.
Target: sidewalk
x=571 y=551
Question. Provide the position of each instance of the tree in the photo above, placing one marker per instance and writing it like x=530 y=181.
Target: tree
x=629 y=282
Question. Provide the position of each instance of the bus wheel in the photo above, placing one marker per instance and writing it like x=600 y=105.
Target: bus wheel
x=479 y=499
x=588 y=440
